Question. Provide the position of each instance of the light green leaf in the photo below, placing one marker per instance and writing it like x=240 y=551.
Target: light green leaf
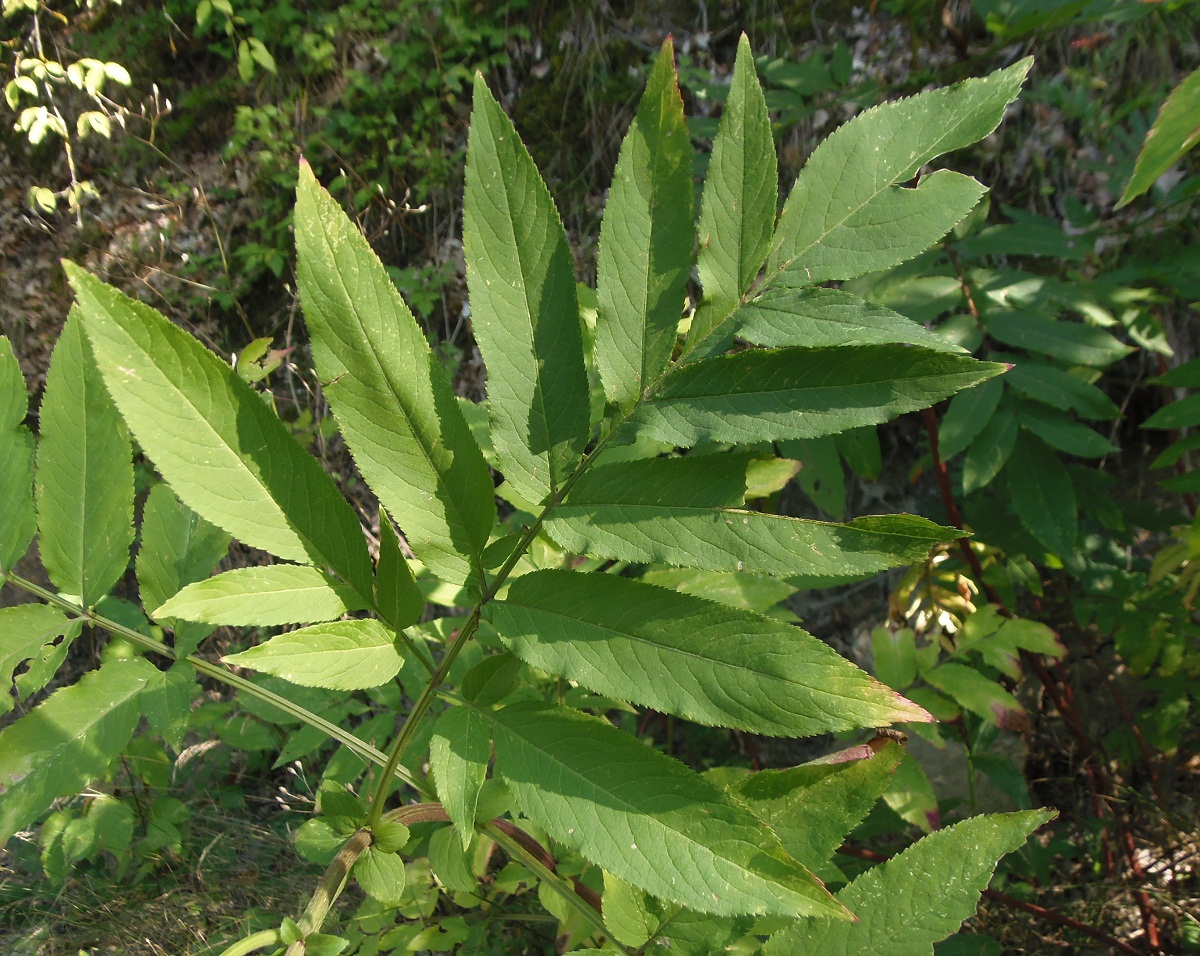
x=397 y=596
x=524 y=311
x=767 y=395
x=646 y=818
x=393 y=403
x=894 y=654
x=31 y=631
x=787 y=312
x=738 y=205
x=972 y=691
x=276 y=594
x=381 y=876
x=847 y=214
x=224 y=452
x=1043 y=495
x=688 y=656
x=1175 y=131
x=459 y=751
x=646 y=241
x=18 y=520
x=812 y=807
x=907 y=904
x=1059 y=431
x=1073 y=342
x=344 y=655
x=754 y=592
x=726 y=539
x=84 y=474
x=67 y=741
x=166 y=702
x=178 y=548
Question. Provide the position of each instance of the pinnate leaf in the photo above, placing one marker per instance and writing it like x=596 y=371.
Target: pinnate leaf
x=1044 y=495
x=344 y=655
x=276 y=594
x=223 y=451
x=684 y=655
x=30 y=631
x=848 y=215
x=768 y=395
x=917 y=898
x=1175 y=131
x=645 y=241
x=397 y=596
x=68 y=740
x=646 y=818
x=524 y=311
x=84 y=474
x=392 y=400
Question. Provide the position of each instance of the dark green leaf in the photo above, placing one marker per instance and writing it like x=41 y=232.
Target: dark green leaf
x=1073 y=342
x=1062 y=432
x=1043 y=495
x=990 y=450
x=969 y=412
x=397 y=596
x=1058 y=388
x=18 y=521
x=1175 y=131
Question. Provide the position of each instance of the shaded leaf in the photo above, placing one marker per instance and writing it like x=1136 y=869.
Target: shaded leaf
x=31 y=631
x=1059 y=431
x=990 y=450
x=968 y=414
x=18 y=520
x=1073 y=342
x=1058 y=388
x=1043 y=495
x=391 y=397
x=1175 y=131
x=976 y=693
x=688 y=656
x=397 y=596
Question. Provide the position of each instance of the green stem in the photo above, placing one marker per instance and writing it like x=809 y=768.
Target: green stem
x=260 y=940
x=219 y=673
x=333 y=880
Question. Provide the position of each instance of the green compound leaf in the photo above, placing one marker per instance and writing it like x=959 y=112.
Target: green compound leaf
x=277 y=594
x=914 y=900
x=788 y=313
x=1057 y=388
x=632 y=525
x=344 y=655
x=990 y=451
x=393 y=403
x=684 y=655
x=84 y=474
x=696 y=481
x=223 y=451
x=524 y=311
x=459 y=752
x=1175 y=131
x=738 y=205
x=178 y=548
x=1044 y=495
x=768 y=395
x=67 y=741
x=1058 y=430
x=967 y=415
x=812 y=807
x=645 y=241
x=646 y=818
x=18 y=519
x=847 y=214
x=31 y=632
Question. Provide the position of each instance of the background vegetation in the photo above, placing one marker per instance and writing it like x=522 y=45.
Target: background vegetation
x=1059 y=646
